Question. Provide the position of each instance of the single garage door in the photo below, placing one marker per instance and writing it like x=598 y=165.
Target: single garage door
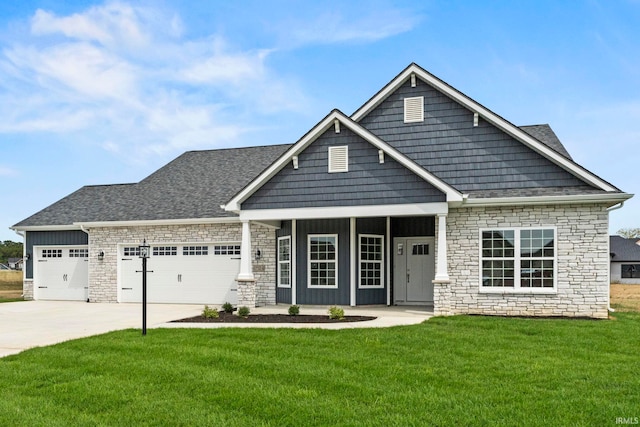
x=61 y=273
x=182 y=273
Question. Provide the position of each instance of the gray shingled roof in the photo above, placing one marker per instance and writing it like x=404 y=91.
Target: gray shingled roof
x=547 y=136
x=623 y=250
x=193 y=185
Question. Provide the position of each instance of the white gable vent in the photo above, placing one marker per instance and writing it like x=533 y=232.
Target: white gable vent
x=414 y=109
x=339 y=159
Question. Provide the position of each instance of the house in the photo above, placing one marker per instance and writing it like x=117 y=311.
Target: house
x=625 y=260
x=15 y=263
x=422 y=196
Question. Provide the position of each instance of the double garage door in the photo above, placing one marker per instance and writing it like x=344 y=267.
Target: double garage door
x=61 y=273
x=188 y=273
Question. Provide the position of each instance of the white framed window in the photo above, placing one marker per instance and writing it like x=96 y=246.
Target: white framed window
x=195 y=250
x=322 y=254
x=414 y=109
x=165 y=250
x=51 y=253
x=79 y=253
x=284 y=262
x=226 y=250
x=131 y=251
x=339 y=159
x=371 y=256
x=518 y=260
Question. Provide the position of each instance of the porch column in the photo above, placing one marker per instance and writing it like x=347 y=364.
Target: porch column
x=246 y=272
x=353 y=261
x=294 y=261
x=442 y=271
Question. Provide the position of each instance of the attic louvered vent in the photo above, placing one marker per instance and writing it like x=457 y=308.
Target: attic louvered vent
x=414 y=109
x=339 y=159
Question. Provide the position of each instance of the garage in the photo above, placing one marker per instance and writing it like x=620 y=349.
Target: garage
x=61 y=273
x=181 y=273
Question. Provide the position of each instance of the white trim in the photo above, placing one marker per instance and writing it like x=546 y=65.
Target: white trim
x=352 y=261
x=517 y=289
x=294 y=261
x=46 y=228
x=309 y=261
x=279 y=263
x=547 y=200
x=442 y=268
x=338 y=158
x=487 y=115
x=388 y=270
x=417 y=209
x=381 y=262
x=187 y=221
x=414 y=109
x=234 y=204
x=246 y=255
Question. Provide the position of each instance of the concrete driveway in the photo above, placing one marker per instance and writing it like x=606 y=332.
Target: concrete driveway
x=31 y=324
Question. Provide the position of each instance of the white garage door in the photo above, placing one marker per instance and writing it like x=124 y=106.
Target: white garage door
x=182 y=273
x=61 y=273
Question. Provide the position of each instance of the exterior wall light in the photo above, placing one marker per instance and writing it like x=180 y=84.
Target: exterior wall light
x=101 y=255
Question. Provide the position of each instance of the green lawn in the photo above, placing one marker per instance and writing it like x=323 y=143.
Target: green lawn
x=468 y=371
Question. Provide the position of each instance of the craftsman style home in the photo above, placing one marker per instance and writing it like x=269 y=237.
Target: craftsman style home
x=420 y=197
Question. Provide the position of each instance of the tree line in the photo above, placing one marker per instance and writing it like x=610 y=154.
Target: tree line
x=9 y=249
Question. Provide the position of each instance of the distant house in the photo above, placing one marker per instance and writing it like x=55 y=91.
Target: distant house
x=15 y=263
x=422 y=196
x=625 y=260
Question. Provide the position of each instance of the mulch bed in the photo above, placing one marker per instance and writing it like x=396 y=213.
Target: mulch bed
x=272 y=318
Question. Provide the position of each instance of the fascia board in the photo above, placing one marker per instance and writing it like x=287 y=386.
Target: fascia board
x=487 y=115
x=137 y=223
x=46 y=228
x=546 y=200
x=366 y=211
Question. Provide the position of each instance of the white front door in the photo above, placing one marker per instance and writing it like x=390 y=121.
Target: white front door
x=414 y=270
x=61 y=273
x=195 y=273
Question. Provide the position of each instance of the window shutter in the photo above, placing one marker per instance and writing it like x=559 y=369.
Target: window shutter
x=339 y=159
x=414 y=109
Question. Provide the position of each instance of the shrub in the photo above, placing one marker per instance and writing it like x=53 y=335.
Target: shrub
x=210 y=313
x=227 y=307
x=336 y=313
x=294 y=310
x=243 y=311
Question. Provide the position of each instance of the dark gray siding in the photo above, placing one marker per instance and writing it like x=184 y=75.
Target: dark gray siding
x=371 y=226
x=51 y=238
x=448 y=145
x=304 y=295
x=367 y=183
x=283 y=295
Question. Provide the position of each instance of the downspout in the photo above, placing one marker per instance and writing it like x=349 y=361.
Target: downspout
x=609 y=308
x=87 y=233
x=24 y=256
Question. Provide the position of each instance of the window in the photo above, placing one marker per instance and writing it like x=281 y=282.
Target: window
x=630 y=271
x=131 y=251
x=414 y=109
x=52 y=253
x=226 y=250
x=420 y=249
x=322 y=254
x=165 y=250
x=521 y=260
x=78 y=253
x=371 y=261
x=195 y=250
x=339 y=159
x=284 y=262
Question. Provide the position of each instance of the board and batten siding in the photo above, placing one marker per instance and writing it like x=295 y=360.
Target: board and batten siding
x=469 y=158
x=376 y=226
x=339 y=296
x=51 y=238
x=368 y=182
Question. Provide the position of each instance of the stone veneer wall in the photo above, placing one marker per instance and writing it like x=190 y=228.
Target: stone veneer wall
x=582 y=262
x=103 y=274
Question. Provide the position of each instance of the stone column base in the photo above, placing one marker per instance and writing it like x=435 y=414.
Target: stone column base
x=27 y=289
x=247 y=293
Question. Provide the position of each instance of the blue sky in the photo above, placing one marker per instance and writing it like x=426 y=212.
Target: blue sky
x=107 y=92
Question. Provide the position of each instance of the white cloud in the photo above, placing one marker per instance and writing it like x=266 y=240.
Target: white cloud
x=5 y=171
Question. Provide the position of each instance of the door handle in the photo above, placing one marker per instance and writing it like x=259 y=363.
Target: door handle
x=179 y=278
x=408 y=278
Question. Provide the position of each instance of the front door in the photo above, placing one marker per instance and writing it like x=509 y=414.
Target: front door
x=414 y=270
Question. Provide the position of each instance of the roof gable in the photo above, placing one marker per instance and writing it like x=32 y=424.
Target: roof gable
x=404 y=79
x=317 y=131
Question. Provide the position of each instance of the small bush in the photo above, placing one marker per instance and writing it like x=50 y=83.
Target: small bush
x=294 y=310
x=243 y=311
x=227 y=307
x=210 y=313
x=336 y=313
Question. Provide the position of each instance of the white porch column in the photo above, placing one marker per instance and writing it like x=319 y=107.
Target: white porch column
x=246 y=272
x=442 y=271
x=353 y=261
x=294 y=261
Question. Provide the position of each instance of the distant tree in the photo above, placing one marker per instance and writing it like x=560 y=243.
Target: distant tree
x=9 y=249
x=630 y=233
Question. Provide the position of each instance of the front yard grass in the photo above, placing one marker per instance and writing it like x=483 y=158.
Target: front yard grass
x=461 y=370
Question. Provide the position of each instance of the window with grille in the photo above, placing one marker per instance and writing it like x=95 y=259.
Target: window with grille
x=284 y=262
x=371 y=261
x=226 y=250
x=165 y=250
x=195 y=250
x=322 y=260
